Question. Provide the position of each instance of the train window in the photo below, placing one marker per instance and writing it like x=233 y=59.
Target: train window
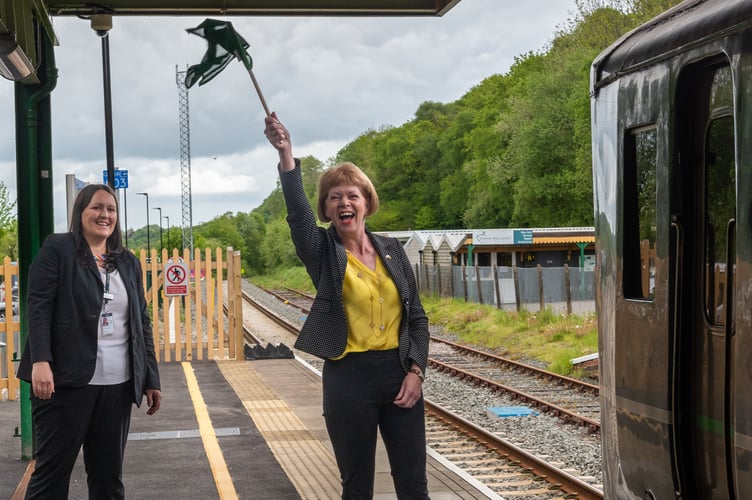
x=720 y=198
x=640 y=158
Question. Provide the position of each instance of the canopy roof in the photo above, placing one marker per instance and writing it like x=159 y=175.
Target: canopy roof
x=255 y=7
x=21 y=17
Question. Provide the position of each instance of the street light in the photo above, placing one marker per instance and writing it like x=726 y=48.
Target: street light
x=161 y=244
x=148 y=239
x=101 y=23
x=169 y=245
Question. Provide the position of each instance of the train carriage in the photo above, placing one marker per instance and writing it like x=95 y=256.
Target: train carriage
x=672 y=168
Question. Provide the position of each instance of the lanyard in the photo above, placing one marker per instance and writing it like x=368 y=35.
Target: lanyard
x=107 y=295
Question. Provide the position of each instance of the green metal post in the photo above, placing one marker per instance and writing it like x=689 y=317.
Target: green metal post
x=35 y=201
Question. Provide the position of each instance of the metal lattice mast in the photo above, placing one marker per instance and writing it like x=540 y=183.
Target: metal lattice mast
x=185 y=159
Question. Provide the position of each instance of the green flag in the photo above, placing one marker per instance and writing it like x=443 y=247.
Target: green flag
x=224 y=44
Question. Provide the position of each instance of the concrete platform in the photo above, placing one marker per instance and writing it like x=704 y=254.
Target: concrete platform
x=231 y=429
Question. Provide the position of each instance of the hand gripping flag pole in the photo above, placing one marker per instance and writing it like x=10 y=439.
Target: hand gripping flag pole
x=224 y=44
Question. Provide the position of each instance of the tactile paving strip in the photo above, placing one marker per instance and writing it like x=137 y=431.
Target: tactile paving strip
x=306 y=461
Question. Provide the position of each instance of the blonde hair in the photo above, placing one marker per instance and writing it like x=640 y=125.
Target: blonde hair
x=346 y=173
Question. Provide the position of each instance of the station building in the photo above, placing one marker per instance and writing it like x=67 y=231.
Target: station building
x=529 y=247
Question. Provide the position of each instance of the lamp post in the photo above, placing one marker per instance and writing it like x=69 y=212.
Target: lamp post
x=169 y=245
x=161 y=244
x=148 y=239
x=101 y=23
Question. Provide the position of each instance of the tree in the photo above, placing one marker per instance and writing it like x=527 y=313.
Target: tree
x=8 y=225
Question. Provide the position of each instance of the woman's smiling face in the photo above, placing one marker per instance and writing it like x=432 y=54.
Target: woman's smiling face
x=346 y=208
x=99 y=217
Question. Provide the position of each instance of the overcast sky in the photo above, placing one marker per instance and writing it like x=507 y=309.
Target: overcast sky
x=329 y=79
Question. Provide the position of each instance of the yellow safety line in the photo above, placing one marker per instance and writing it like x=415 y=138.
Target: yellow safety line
x=222 y=479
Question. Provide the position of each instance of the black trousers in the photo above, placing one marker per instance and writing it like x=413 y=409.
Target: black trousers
x=359 y=391
x=96 y=417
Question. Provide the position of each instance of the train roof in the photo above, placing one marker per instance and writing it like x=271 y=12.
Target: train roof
x=677 y=28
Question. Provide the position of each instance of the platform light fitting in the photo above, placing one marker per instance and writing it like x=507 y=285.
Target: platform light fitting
x=14 y=65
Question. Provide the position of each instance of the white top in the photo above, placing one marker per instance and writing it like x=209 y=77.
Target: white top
x=113 y=361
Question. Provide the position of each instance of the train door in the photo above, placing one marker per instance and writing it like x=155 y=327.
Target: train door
x=703 y=258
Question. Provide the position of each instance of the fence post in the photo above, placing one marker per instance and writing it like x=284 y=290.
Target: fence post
x=199 y=301
x=211 y=302
x=237 y=301
x=541 y=299
x=517 y=300
x=477 y=284
x=567 y=291
x=451 y=281
x=464 y=281
x=230 y=305
x=438 y=280
x=496 y=286
x=220 y=305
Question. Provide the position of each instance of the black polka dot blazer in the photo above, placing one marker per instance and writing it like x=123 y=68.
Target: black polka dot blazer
x=324 y=333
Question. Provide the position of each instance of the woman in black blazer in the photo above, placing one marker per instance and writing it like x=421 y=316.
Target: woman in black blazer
x=366 y=322
x=89 y=354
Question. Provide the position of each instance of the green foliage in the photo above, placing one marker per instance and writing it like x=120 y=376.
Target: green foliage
x=9 y=241
x=8 y=225
x=277 y=249
x=551 y=338
x=514 y=151
x=292 y=277
x=7 y=208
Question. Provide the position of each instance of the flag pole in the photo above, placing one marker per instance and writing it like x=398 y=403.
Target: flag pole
x=258 y=91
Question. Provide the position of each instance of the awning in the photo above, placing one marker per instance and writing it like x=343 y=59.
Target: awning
x=554 y=240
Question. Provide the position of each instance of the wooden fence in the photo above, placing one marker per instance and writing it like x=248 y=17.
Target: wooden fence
x=10 y=329
x=195 y=326
x=205 y=324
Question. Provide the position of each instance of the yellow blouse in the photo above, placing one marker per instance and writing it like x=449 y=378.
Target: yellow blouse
x=372 y=306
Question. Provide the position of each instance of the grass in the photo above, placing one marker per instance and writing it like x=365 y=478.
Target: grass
x=295 y=278
x=550 y=338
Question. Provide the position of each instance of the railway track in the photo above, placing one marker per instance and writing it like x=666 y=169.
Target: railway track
x=569 y=399
x=507 y=470
x=573 y=401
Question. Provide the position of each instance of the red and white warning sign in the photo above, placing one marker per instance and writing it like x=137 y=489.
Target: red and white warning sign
x=175 y=278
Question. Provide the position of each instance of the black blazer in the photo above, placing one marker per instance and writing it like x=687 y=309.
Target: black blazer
x=63 y=307
x=324 y=332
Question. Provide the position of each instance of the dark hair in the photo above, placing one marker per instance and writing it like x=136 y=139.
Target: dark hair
x=342 y=174
x=114 y=241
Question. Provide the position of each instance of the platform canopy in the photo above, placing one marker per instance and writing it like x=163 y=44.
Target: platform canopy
x=20 y=18
x=255 y=7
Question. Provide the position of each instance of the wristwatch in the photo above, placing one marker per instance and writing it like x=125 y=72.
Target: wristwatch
x=416 y=370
